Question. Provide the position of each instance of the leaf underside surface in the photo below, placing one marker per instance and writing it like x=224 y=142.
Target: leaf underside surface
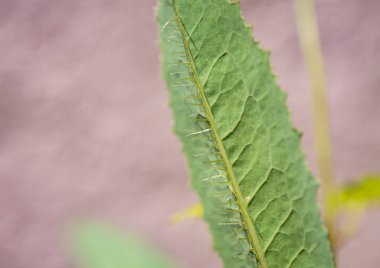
x=244 y=155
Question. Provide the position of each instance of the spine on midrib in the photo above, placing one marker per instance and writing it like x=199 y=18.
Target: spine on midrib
x=253 y=237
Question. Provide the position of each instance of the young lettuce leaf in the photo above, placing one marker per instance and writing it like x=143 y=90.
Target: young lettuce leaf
x=244 y=155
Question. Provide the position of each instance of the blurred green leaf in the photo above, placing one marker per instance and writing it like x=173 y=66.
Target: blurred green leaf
x=365 y=193
x=101 y=246
x=193 y=212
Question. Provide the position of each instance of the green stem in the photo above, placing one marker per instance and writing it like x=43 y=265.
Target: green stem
x=310 y=43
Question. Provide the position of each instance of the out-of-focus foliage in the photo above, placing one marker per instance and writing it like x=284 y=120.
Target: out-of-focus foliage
x=351 y=202
x=100 y=246
x=364 y=193
x=193 y=212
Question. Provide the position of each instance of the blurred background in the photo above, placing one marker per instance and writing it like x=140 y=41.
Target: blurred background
x=85 y=128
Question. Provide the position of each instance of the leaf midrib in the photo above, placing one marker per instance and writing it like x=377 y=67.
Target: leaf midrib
x=251 y=230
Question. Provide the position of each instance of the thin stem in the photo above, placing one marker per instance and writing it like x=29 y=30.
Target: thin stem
x=310 y=43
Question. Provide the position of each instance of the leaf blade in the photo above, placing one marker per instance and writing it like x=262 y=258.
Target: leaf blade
x=266 y=196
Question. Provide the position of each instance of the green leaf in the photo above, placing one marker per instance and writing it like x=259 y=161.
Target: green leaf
x=244 y=155
x=353 y=200
x=101 y=246
x=193 y=212
x=362 y=194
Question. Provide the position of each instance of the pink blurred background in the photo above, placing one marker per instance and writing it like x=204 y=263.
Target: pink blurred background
x=85 y=129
